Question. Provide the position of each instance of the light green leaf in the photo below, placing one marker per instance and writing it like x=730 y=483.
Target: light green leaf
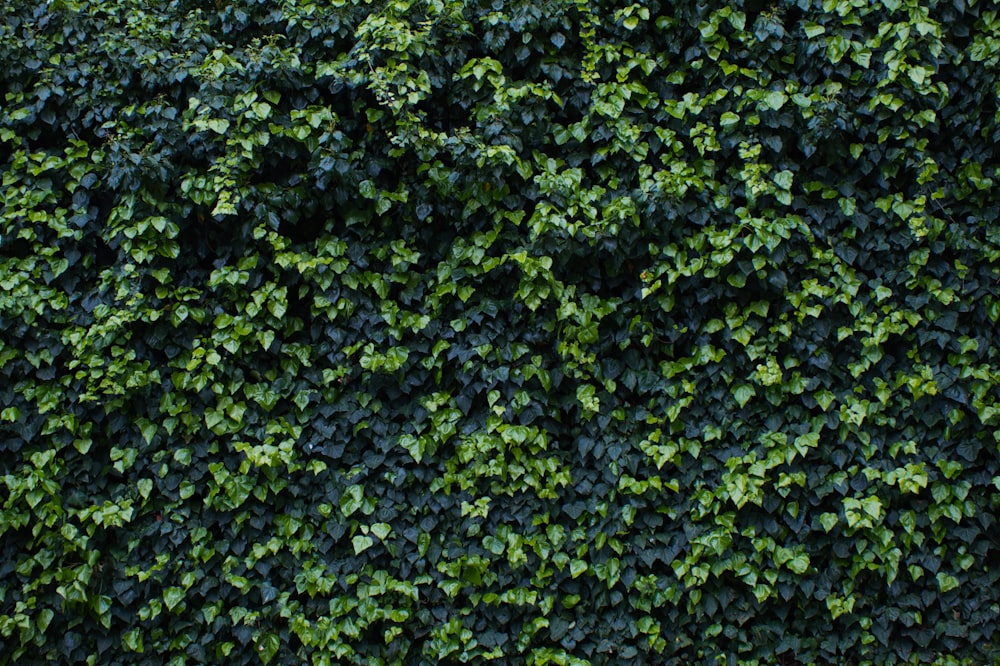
x=805 y=442
x=828 y=521
x=172 y=596
x=262 y=110
x=799 y=564
x=783 y=179
x=413 y=445
x=776 y=99
x=351 y=500
x=148 y=431
x=362 y=543
x=265 y=338
x=728 y=119
x=218 y=125
x=277 y=307
x=132 y=640
x=45 y=619
x=267 y=647
x=743 y=393
x=946 y=582
x=213 y=418
x=814 y=29
x=863 y=57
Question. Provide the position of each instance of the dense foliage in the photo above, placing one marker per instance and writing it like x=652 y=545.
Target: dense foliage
x=543 y=332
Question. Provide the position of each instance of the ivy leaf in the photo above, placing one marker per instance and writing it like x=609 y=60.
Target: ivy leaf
x=946 y=582
x=218 y=125
x=267 y=647
x=813 y=29
x=828 y=521
x=775 y=99
x=172 y=596
x=799 y=564
x=743 y=393
x=352 y=499
x=362 y=543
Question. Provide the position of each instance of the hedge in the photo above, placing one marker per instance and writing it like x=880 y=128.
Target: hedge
x=533 y=332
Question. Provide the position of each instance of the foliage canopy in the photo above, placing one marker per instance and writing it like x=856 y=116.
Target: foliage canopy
x=547 y=332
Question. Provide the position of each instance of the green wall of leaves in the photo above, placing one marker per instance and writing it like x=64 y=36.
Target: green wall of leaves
x=541 y=332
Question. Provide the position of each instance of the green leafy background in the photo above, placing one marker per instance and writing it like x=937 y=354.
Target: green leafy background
x=548 y=332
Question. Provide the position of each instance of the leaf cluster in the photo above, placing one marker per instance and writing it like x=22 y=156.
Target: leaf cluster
x=550 y=332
